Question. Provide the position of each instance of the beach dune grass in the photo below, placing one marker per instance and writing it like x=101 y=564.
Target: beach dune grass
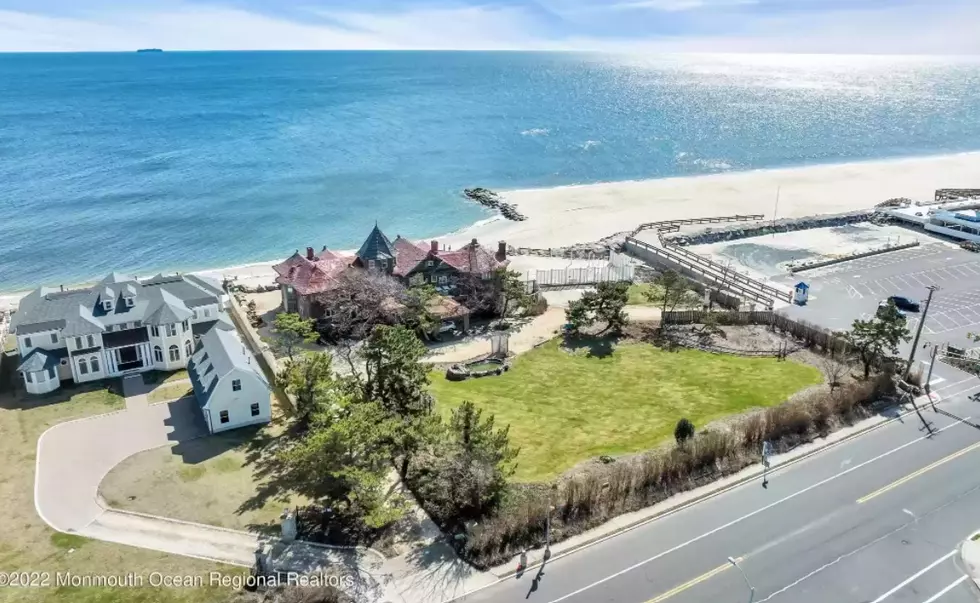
x=567 y=407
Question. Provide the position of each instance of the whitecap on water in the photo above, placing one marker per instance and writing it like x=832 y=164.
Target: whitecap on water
x=536 y=132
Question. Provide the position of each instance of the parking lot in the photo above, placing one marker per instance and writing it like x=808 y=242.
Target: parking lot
x=841 y=293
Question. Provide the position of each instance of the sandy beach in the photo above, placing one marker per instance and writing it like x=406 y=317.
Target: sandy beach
x=578 y=214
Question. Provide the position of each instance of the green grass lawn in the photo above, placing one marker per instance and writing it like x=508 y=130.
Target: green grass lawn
x=162 y=377
x=638 y=294
x=163 y=393
x=564 y=408
x=28 y=544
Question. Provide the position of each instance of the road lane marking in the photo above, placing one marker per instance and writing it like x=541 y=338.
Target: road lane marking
x=747 y=516
x=914 y=576
x=946 y=590
x=706 y=576
x=916 y=474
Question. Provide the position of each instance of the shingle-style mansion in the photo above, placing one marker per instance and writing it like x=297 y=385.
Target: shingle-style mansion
x=119 y=326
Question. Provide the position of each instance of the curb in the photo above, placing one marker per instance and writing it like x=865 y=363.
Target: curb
x=699 y=499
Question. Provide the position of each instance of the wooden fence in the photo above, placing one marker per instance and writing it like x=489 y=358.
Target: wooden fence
x=567 y=277
x=810 y=335
x=674 y=225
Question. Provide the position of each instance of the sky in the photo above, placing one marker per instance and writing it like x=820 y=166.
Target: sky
x=947 y=27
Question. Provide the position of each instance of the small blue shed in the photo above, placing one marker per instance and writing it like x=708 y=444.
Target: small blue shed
x=801 y=292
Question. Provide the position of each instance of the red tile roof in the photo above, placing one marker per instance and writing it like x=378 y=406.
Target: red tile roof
x=408 y=255
x=316 y=276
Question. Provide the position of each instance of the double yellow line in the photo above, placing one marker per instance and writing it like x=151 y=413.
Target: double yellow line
x=696 y=581
x=916 y=474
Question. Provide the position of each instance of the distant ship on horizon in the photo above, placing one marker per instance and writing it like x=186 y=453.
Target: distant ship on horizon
x=150 y=50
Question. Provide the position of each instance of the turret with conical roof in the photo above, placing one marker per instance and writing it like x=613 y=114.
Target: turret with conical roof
x=377 y=251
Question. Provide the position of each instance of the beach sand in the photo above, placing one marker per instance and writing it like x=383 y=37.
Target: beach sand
x=579 y=214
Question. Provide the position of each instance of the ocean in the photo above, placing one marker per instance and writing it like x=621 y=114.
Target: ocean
x=181 y=161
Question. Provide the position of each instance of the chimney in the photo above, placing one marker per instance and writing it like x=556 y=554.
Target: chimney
x=501 y=251
x=62 y=287
x=474 y=243
x=434 y=246
x=309 y=253
x=324 y=249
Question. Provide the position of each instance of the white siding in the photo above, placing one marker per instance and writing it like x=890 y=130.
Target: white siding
x=39 y=340
x=238 y=403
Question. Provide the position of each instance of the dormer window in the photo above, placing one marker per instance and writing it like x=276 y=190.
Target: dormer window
x=371 y=264
x=430 y=263
x=107 y=305
x=130 y=302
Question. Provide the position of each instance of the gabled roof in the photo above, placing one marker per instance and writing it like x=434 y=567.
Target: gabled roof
x=408 y=255
x=80 y=311
x=168 y=310
x=376 y=247
x=219 y=353
x=308 y=277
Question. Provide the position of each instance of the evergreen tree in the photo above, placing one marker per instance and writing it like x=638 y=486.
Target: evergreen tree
x=881 y=335
x=290 y=332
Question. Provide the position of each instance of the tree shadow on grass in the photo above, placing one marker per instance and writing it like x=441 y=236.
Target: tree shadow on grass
x=595 y=346
x=272 y=478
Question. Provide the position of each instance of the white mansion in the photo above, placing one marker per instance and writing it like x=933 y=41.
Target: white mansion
x=119 y=326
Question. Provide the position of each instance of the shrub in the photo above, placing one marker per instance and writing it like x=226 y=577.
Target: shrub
x=683 y=431
x=587 y=499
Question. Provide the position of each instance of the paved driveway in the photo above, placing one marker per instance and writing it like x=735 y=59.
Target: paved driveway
x=74 y=457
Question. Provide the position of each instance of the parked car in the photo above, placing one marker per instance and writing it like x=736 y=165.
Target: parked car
x=447 y=326
x=903 y=303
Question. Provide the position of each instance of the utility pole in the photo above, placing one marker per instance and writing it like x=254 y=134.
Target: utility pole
x=918 y=331
x=774 y=211
x=932 y=363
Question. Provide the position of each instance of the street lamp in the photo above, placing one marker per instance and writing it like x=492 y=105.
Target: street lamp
x=734 y=562
x=547 y=525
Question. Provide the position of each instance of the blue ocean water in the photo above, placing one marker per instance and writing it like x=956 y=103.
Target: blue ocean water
x=140 y=162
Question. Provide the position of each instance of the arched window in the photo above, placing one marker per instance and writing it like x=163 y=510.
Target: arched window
x=174 y=353
x=158 y=353
x=188 y=350
x=82 y=367
x=95 y=364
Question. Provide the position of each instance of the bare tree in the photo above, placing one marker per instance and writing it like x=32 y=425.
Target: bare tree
x=358 y=301
x=834 y=368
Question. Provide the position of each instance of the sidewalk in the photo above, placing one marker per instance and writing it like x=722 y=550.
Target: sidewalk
x=970 y=552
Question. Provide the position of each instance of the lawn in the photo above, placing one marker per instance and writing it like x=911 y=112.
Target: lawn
x=163 y=377
x=28 y=544
x=564 y=408
x=163 y=393
x=638 y=294
x=209 y=480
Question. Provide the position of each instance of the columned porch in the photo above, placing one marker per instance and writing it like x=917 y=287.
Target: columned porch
x=128 y=359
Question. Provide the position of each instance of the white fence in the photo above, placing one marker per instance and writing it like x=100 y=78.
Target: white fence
x=567 y=277
x=4 y=328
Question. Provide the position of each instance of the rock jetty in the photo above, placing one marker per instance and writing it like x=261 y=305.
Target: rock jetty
x=741 y=231
x=488 y=198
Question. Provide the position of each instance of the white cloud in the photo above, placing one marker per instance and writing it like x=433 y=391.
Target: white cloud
x=902 y=30
x=676 y=5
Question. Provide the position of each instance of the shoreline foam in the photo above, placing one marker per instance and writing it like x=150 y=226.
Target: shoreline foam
x=581 y=213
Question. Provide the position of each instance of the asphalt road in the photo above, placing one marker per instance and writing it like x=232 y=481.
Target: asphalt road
x=872 y=520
